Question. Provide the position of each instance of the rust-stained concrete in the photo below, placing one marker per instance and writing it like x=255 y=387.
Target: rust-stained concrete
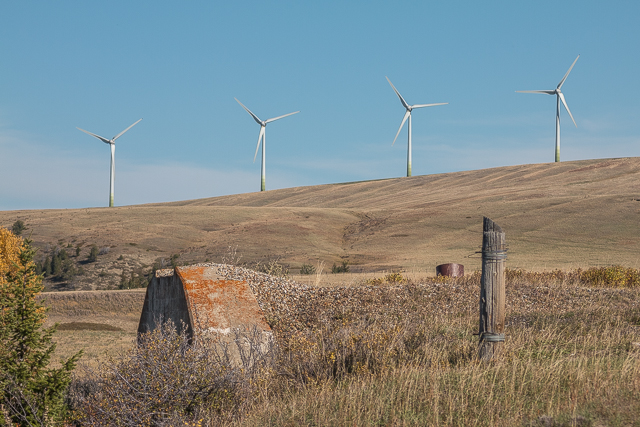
x=203 y=299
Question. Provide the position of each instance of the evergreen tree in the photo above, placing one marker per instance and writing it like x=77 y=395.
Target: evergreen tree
x=93 y=254
x=56 y=265
x=18 y=227
x=47 y=266
x=31 y=393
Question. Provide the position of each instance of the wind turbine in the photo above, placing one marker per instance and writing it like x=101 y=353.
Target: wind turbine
x=407 y=114
x=559 y=97
x=262 y=137
x=112 y=143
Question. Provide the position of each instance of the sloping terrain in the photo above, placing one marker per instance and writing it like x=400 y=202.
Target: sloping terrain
x=555 y=215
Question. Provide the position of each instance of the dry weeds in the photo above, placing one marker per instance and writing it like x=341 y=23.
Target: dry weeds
x=405 y=355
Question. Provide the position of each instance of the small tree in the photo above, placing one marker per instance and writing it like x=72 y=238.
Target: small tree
x=18 y=227
x=307 y=269
x=93 y=254
x=30 y=392
x=344 y=268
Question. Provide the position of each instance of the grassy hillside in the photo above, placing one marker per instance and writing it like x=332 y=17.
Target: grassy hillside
x=564 y=215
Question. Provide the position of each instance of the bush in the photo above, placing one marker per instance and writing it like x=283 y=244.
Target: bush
x=273 y=268
x=307 y=269
x=136 y=279
x=391 y=278
x=344 y=268
x=93 y=254
x=339 y=349
x=168 y=379
x=57 y=265
x=18 y=227
x=174 y=260
x=614 y=276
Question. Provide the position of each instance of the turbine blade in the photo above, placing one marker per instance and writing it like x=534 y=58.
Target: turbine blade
x=279 y=117
x=121 y=133
x=428 y=105
x=398 y=93
x=565 y=76
x=97 y=136
x=404 y=119
x=249 y=111
x=262 y=130
x=561 y=95
x=548 y=92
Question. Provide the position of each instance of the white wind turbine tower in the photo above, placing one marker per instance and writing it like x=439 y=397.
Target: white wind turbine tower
x=407 y=114
x=559 y=97
x=262 y=137
x=112 y=144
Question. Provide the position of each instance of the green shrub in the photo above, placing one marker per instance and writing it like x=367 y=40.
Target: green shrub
x=57 y=265
x=174 y=260
x=137 y=278
x=307 y=269
x=344 y=268
x=93 y=254
x=18 y=227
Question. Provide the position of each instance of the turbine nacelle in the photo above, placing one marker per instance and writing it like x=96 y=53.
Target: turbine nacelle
x=112 y=140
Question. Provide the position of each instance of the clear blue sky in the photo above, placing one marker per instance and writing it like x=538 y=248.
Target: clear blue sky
x=103 y=65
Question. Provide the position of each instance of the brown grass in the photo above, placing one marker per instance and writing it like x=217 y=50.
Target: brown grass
x=87 y=326
x=103 y=323
x=572 y=357
x=557 y=215
x=405 y=355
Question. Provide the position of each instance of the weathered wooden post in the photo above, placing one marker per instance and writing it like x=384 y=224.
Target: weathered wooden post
x=492 y=294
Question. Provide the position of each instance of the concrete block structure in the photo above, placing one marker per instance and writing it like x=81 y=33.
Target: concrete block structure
x=203 y=300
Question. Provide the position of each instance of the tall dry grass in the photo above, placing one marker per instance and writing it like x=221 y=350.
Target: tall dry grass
x=404 y=354
x=567 y=373
x=572 y=357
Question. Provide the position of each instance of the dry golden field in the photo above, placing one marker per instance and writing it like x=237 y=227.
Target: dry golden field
x=556 y=215
x=402 y=353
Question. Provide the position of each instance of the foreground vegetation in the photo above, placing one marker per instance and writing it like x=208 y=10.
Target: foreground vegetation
x=31 y=392
x=396 y=353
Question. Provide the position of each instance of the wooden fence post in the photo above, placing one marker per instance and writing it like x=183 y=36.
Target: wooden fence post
x=492 y=294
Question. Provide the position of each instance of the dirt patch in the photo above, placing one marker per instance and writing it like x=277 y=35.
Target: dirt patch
x=87 y=326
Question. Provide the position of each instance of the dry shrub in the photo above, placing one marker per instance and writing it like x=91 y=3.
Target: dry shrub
x=167 y=378
x=272 y=268
x=562 y=372
x=406 y=355
x=340 y=349
x=391 y=279
x=612 y=277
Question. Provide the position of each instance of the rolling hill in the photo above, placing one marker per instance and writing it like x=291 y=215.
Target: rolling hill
x=556 y=215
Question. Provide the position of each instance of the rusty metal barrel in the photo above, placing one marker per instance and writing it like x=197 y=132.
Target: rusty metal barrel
x=450 y=270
